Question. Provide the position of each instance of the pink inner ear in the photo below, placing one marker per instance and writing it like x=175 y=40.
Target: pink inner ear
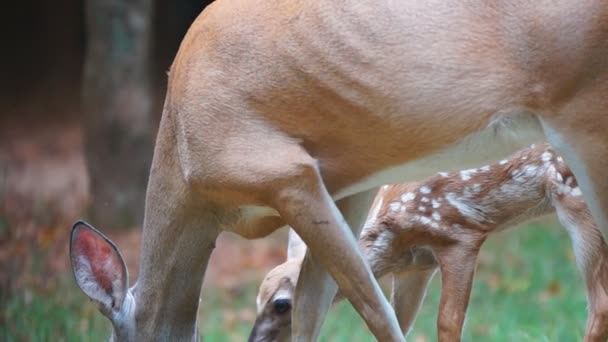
x=102 y=258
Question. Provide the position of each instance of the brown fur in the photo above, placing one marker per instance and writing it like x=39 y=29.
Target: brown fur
x=531 y=183
x=295 y=104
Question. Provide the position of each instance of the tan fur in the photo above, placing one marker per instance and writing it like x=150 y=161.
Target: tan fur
x=295 y=104
x=396 y=240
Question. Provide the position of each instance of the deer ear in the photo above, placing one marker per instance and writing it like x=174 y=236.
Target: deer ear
x=98 y=267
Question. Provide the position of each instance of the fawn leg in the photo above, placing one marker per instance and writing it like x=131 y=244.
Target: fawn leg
x=457 y=266
x=409 y=290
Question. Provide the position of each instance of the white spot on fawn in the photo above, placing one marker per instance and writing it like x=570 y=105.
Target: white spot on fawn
x=443 y=174
x=425 y=220
x=425 y=190
x=408 y=197
x=503 y=162
x=576 y=191
x=485 y=168
x=465 y=175
x=435 y=204
x=546 y=156
x=424 y=199
x=421 y=208
x=569 y=180
x=394 y=206
x=436 y=216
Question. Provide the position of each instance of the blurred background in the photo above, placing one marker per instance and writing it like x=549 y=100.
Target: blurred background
x=81 y=89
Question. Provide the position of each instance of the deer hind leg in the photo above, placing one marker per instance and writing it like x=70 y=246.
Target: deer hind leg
x=591 y=254
x=307 y=207
x=408 y=292
x=457 y=266
x=316 y=289
x=592 y=259
x=290 y=183
x=580 y=133
x=597 y=321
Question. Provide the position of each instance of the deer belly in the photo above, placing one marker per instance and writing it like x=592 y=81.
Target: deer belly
x=505 y=133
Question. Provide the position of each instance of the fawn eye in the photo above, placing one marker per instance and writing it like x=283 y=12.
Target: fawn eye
x=282 y=305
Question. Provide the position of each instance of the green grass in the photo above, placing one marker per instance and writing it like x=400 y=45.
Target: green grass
x=526 y=289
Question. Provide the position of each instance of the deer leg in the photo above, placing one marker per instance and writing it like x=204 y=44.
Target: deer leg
x=579 y=134
x=316 y=288
x=179 y=234
x=597 y=321
x=457 y=266
x=591 y=254
x=408 y=292
x=309 y=209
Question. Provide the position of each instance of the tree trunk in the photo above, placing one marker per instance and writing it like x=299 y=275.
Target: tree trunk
x=170 y=25
x=117 y=103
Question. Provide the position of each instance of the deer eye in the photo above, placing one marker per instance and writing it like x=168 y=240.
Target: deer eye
x=281 y=305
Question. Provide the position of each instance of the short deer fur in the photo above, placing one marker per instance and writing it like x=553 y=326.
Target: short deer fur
x=441 y=223
x=295 y=112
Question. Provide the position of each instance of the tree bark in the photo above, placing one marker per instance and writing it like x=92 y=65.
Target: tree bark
x=117 y=105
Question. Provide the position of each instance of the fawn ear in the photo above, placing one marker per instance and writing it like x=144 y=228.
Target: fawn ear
x=98 y=267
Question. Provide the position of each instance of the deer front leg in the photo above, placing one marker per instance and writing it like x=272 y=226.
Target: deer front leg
x=179 y=235
x=409 y=290
x=308 y=208
x=597 y=322
x=457 y=266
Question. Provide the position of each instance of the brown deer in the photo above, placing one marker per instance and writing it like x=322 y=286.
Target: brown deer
x=294 y=112
x=414 y=229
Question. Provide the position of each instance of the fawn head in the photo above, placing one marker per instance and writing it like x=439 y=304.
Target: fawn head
x=274 y=303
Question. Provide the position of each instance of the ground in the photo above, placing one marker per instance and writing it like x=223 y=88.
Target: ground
x=526 y=289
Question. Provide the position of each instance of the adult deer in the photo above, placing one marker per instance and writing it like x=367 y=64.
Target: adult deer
x=441 y=223
x=295 y=111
